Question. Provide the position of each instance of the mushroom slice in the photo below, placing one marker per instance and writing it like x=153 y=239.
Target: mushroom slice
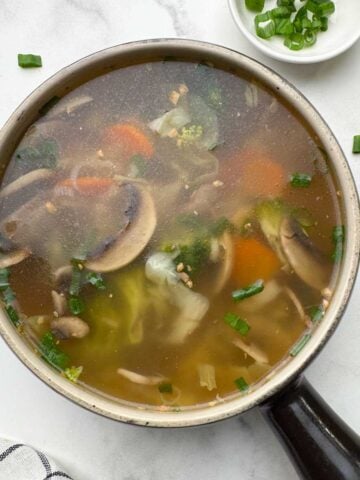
x=132 y=240
x=140 y=379
x=12 y=258
x=308 y=262
x=69 y=327
x=252 y=350
x=59 y=302
x=29 y=179
x=68 y=105
x=226 y=254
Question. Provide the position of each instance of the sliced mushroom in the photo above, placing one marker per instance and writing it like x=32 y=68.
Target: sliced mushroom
x=308 y=262
x=140 y=379
x=226 y=257
x=59 y=302
x=131 y=241
x=62 y=277
x=252 y=350
x=69 y=327
x=31 y=179
x=14 y=257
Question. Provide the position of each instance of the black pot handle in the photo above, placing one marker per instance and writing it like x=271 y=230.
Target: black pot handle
x=320 y=444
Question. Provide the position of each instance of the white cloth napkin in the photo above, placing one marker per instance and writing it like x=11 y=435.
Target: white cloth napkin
x=21 y=462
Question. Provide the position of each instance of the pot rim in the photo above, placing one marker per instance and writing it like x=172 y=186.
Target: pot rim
x=25 y=114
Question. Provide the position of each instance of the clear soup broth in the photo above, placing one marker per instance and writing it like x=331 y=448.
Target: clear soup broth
x=170 y=232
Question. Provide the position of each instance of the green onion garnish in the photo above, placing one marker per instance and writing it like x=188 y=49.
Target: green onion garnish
x=237 y=323
x=264 y=25
x=96 y=280
x=295 y=41
x=356 y=144
x=310 y=37
x=76 y=305
x=338 y=238
x=75 y=283
x=51 y=352
x=241 y=384
x=13 y=315
x=316 y=314
x=4 y=278
x=280 y=12
x=283 y=26
x=29 y=60
x=300 y=344
x=73 y=373
x=165 y=388
x=300 y=180
x=255 y=5
x=249 y=291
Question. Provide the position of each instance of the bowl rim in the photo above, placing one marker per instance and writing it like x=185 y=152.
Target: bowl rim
x=287 y=57
x=198 y=51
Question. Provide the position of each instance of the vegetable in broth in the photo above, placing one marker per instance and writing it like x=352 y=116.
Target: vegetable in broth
x=153 y=244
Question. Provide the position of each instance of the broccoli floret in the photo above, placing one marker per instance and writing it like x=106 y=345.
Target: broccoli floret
x=189 y=135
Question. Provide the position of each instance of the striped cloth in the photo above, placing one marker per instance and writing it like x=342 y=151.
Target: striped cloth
x=21 y=462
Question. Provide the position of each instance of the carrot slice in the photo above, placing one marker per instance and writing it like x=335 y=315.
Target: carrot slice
x=86 y=185
x=253 y=261
x=255 y=171
x=130 y=140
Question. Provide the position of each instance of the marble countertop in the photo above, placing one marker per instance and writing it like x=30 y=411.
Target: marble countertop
x=94 y=448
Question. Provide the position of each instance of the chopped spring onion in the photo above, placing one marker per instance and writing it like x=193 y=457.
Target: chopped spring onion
x=96 y=280
x=255 y=5
x=165 y=388
x=300 y=344
x=73 y=373
x=207 y=376
x=76 y=305
x=264 y=25
x=241 y=384
x=298 y=24
x=249 y=291
x=237 y=323
x=338 y=238
x=295 y=41
x=29 y=60
x=316 y=314
x=300 y=180
x=356 y=144
x=75 y=283
x=310 y=37
x=13 y=315
x=52 y=353
x=4 y=279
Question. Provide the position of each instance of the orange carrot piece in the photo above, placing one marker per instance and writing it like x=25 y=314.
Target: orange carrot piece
x=86 y=185
x=130 y=140
x=253 y=260
x=261 y=174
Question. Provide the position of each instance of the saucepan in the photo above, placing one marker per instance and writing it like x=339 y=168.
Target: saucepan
x=320 y=444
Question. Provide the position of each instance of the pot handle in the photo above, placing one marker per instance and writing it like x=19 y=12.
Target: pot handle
x=319 y=443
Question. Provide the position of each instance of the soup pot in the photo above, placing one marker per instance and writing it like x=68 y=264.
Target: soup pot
x=320 y=444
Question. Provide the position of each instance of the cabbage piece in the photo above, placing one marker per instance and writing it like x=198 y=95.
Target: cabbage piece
x=202 y=114
x=207 y=376
x=176 y=118
x=160 y=268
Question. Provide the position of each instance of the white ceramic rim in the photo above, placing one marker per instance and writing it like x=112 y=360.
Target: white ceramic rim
x=198 y=51
x=285 y=57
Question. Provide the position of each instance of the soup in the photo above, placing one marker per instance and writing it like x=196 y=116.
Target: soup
x=170 y=232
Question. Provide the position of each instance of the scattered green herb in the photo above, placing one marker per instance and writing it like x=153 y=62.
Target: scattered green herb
x=338 y=238
x=237 y=323
x=29 y=60
x=300 y=180
x=52 y=353
x=249 y=291
x=194 y=255
x=13 y=315
x=220 y=226
x=76 y=278
x=8 y=297
x=165 y=388
x=241 y=384
x=300 y=344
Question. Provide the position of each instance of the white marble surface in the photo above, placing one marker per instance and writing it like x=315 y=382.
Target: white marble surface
x=94 y=448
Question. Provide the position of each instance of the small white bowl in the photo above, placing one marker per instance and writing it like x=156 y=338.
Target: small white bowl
x=344 y=31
